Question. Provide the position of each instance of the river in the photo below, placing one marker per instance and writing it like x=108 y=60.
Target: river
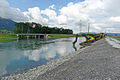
x=21 y=55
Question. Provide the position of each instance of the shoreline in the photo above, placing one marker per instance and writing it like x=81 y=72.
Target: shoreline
x=35 y=72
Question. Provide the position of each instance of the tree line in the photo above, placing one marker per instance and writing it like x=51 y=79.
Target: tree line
x=27 y=27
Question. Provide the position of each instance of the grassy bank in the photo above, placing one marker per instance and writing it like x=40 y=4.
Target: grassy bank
x=10 y=37
x=7 y=37
x=61 y=35
x=117 y=37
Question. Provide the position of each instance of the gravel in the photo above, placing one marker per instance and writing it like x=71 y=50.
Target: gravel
x=100 y=61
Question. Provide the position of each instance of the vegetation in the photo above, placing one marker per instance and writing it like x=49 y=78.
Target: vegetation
x=38 y=28
x=4 y=31
x=2 y=40
x=61 y=36
x=117 y=37
x=114 y=36
x=7 y=36
x=7 y=24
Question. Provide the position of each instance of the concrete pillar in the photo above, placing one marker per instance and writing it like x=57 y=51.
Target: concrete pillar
x=19 y=36
x=38 y=36
x=35 y=36
x=27 y=36
x=30 y=36
x=46 y=36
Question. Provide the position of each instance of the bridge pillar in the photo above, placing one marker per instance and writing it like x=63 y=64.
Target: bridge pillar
x=38 y=36
x=20 y=37
x=32 y=36
x=17 y=36
x=27 y=36
x=35 y=36
x=46 y=36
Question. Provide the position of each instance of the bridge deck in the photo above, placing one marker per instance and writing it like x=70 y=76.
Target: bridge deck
x=31 y=34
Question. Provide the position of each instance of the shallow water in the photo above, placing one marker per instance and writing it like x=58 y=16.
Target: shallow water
x=19 y=56
x=114 y=42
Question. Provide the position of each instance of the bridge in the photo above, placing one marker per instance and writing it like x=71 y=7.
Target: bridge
x=31 y=36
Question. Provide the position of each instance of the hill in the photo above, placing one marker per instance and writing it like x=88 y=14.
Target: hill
x=6 y=24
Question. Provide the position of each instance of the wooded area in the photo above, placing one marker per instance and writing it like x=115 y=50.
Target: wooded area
x=38 y=28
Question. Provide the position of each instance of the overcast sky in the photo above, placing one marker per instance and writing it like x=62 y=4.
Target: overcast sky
x=103 y=15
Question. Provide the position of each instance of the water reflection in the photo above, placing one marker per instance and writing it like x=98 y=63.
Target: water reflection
x=18 y=56
x=74 y=47
x=7 y=54
x=31 y=44
x=114 y=42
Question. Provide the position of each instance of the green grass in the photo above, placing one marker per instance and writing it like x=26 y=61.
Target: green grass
x=7 y=37
x=4 y=40
x=61 y=35
x=117 y=37
x=11 y=37
x=4 y=36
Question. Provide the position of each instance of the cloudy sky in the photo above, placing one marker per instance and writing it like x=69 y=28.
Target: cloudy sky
x=103 y=15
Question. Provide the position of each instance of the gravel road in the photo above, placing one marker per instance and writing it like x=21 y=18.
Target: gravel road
x=101 y=61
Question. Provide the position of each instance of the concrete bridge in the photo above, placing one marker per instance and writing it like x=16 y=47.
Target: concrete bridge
x=31 y=36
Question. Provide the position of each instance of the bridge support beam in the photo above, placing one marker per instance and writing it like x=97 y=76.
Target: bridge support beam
x=32 y=36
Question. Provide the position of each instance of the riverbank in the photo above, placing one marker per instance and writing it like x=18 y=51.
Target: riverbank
x=61 y=35
x=117 y=37
x=11 y=37
x=100 y=61
x=8 y=37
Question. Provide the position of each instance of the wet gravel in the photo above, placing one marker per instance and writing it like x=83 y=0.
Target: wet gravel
x=100 y=61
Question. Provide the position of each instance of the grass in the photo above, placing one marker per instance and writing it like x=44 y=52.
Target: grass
x=11 y=37
x=7 y=37
x=61 y=35
x=4 y=40
x=117 y=37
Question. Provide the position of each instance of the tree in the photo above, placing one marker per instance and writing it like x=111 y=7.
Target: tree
x=28 y=27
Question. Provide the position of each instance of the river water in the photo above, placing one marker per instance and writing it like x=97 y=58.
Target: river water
x=21 y=55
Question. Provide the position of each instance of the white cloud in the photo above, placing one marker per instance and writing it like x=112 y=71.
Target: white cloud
x=112 y=7
x=50 y=13
x=34 y=15
x=52 y=7
x=80 y=13
x=115 y=19
x=100 y=13
x=11 y=13
x=62 y=20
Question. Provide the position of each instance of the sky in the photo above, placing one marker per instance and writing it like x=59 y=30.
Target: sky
x=42 y=4
x=102 y=15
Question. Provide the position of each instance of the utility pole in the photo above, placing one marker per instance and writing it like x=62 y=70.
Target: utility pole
x=88 y=27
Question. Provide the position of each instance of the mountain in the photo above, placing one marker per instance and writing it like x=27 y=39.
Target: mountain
x=6 y=24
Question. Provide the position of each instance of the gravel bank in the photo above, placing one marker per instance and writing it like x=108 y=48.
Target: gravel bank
x=100 y=61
